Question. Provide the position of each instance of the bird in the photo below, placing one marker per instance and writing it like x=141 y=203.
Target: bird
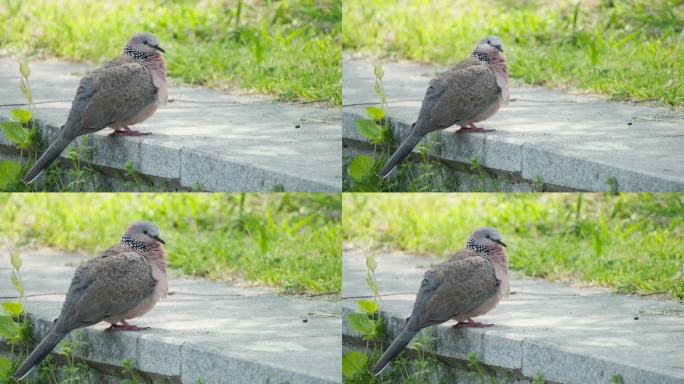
x=126 y=91
x=468 y=284
x=470 y=92
x=123 y=283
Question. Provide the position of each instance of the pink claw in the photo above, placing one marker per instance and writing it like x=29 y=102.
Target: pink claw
x=470 y=323
x=126 y=327
x=473 y=128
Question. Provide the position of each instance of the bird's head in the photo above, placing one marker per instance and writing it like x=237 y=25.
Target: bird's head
x=491 y=42
x=142 y=46
x=142 y=235
x=488 y=48
x=485 y=240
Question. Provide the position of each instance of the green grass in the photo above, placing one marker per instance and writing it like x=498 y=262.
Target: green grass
x=289 y=241
x=290 y=49
x=630 y=242
x=630 y=49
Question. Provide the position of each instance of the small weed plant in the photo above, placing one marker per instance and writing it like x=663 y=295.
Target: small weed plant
x=14 y=326
x=425 y=176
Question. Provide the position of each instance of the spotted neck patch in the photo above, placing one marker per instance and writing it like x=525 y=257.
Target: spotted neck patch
x=481 y=56
x=133 y=243
x=135 y=54
x=477 y=247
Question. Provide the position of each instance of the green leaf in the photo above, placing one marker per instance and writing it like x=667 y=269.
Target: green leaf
x=26 y=91
x=367 y=306
x=13 y=309
x=369 y=129
x=360 y=323
x=361 y=167
x=371 y=264
x=9 y=171
x=5 y=366
x=14 y=132
x=8 y=327
x=15 y=259
x=378 y=71
x=21 y=115
x=24 y=69
x=18 y=285
x=353 y=363
x=370 y=186
x=372 y=284
x=379 y=91
x=375 y=113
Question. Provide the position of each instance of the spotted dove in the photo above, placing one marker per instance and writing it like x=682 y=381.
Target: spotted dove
x=468 y=284
x=470 y=92
x=123 y=283
x=126 y=91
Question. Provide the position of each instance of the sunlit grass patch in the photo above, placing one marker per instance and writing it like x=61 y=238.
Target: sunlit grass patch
x=626 y=50
x=290 y=241
x=630 y=242
x=288 y=49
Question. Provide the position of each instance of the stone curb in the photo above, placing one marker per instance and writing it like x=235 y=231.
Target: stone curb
x=582 y=336
x=202 y=138
x=635 y=146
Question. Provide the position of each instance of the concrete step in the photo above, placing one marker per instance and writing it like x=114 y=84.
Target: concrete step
x=566 y=142
x=569 y=335
x=208 y=331
x=206 y=138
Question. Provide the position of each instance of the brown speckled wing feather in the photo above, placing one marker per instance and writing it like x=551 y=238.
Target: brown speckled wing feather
x=111 y=94
x=462 y=254
x=456 y=96
x=107 y=285
x=452 y=288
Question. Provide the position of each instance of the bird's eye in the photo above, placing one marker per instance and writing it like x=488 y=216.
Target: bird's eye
x=145 y=42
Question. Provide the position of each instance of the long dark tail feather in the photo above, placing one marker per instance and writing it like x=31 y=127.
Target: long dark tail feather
x=400 y=154
x=46 y=158
x=46 y=345
x=394 y=349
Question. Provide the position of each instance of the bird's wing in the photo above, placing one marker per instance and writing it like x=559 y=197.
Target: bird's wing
x=452 y=288
x=106 y=286
x=462 y=254
x=110 y=94
x=456 y=96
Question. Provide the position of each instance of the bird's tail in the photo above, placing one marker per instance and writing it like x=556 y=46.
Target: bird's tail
x=400 y=154
x=46 y=345
x=55 y=148
x=394 y=349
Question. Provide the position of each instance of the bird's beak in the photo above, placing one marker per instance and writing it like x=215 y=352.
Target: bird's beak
x=159 y=239
x=500 y=48
x=158 y=48
x=500 y=242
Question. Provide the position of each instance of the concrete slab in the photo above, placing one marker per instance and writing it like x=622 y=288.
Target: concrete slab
x=575 y=142
x=213 y=139
x=568 y=334
x=203 y=330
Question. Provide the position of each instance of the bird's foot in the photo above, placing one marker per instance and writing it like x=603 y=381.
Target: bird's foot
x=126 y=327
x=470 y=323
x=129 y=132
x=473 y=128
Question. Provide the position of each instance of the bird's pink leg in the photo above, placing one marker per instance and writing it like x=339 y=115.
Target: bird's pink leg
x=470 y=323
x=126 y=131
x=126 y=327
x=473 y=128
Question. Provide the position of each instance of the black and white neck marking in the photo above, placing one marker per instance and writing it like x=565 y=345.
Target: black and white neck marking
x=481 y=56
x=135 y=54
x=477 y=247
x=133 y=243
